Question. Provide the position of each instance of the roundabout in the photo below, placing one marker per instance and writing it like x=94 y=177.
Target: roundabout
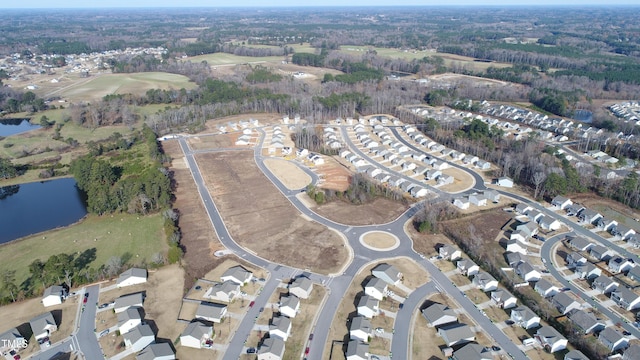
x=379 y=240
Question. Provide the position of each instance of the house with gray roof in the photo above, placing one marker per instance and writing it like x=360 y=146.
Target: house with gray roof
x=551 y=339
x=529 y=228
x=473 y=352
x=504 y=298
x=604 y=284
x=546 y=288
x=601 y=253
x=280 y=326
x=456 y=334
x=626 y=298
x=368 y=306
x=527 y=272
x=289 y=305
x=561 y=202
x=485 y=281
x=575 y=355
x=360 y=329
x=160 y=351
x=586 y=321
x=225 y=292
x=357 y=350
x=574 y=259
x=634 y=273
x=388 y=273
x=301 y=287
x=53 y=295
x=43 y=325
x=523 y=208
x=271 y=349
x=129 y=319
x=515 y=258
x=439 y=314
x=587 y=271
x=238 y=275
x=126 y=301
x=622 y=232
x=209 y=311
x=491 y=195
x=449 y=252
x=618 y=264
x=588 y=216
x=549 y=223
x=632 y=353
x=139 y=337
x=11 y=340
x=376 y=288
x=579 y=243
x=574 y=210
x=565 y=303
x=613 y=339
x=131 y=277
x=467 y=267
x=196 y=335
x=525 y=317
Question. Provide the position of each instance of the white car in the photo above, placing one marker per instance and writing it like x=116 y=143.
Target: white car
x=380 y=330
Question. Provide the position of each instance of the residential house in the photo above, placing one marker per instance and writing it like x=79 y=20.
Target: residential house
x=586 y=322
x=473 y=352
x=461 y=202
x=574 y=210
x=575 y=355
x=237 y=275
x=516 y=247
x=478 y=200
x=129 y=319
x=133 y=276
x=470 y=159
x=613 y=339
x=550 y=224
x=456 y=334
x=289 y=305
x=523 y=208
x=368 y=306
x=634 y=240
x=388 y=273
x=565 y=303
x=418 y=191
x=618 y=264
x=376 y=288
x=626 y=298
x=579 y=243
x=634 y=273
x=485 y=165
x=606 y=224
x=226 y=291
x=504 y=181
x=43 y=325
x=528 y=272
x=546 y=288
x=139 y=337
x=197 y=335
x=632 y=353
x=209 y=311
x=357 y=350
x=561 y=202
x=126 y=301
x=491 y=195
x=301 y=287
x=271 y=349
x=551 y=339
x=529 y=228
x=467 y=267
x=11 y=340
x=159 y=351
x=587 y=271
x=574 y=259
x=53 y=295
x=535 y=216
x=439 y=165
x=525 y=317
x=449 y=252
x=281 y=327
x=360 y=329
x=519 y=236
x=515 y=258
x=438 y=314
x=485 y=281
x=588 y=216
x=504 y=299
x=622 y=232
x=601 y=253
x=604 y=284
x=445 y=179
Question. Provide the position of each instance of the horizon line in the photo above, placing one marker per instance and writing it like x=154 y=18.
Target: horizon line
x=543 y=5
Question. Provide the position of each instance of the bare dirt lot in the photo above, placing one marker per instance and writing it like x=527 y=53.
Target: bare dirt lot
x=262 y=220
x=463 y=180
x=288 y=173
x=211 y=141
x=379 y=211
x=198 y=238
x=263 y=119
x=334 y=175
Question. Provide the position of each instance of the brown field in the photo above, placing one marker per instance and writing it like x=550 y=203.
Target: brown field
x=379 y=211
x=334 y=175
x=463 y=180
x=198 y=238
x=288 y=173
x=207 y=142
x=264 y=119
x=235 y=183
x=379 y=239
x=414 y=276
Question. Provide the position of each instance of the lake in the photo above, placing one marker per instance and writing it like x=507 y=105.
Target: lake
x=584 y=116
x=31 y=208
x=16 y=126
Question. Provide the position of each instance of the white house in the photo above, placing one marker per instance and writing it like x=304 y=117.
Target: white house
x=551 y=339
x=139 y=337
x=211 y=312
x=587 y=271
x=456 y=334
x=129 y=319
x=525 y=317
x=126 y=301
x=449 y=252
x=478 y=200
x=515 y=246
x=196 y=335
x=368 y=307
x=604 y=284
x=43 y=325
x=561 y=202
x=586 y=321
x=504 y=182
x=473 y=352
x=360 y=329
x=549 y=223
x=504 y=299
x=53 y=295
x=11 y=340
x=289 y=305
x=301 y=287
x=388 y=273
x=357 y=350
x=225 y=292
x=280 y=326
x=626 y=298
x=467 y=267
x=133 y=276
x=271 y=349
x=565 y=303
x=237 y=274
x=485 y=281
x=528 y=272
x=159 y=351
x=618 y=264
x=376 y=288
x=546 y=288
x=613 y=339
x=461 y=202
x=439 y=314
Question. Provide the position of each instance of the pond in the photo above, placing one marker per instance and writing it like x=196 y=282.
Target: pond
x=584 y=116
x=31 y=208
x=16 y=126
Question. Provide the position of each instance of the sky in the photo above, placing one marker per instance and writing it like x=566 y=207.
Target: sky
x=34 y=4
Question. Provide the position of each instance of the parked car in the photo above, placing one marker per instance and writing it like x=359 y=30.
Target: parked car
x=310 y=337
x=102 y=306
x=252 y=303
x=306 y=351
x=251 y=350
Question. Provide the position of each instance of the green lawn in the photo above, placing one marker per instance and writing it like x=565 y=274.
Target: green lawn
x=129 y=236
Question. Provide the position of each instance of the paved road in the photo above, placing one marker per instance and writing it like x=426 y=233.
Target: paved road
x=401 y=342
x=547 y=254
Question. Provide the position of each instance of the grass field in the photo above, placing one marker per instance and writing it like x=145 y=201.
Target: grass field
x=131 y=237
x=134 y=83
x=230 y=59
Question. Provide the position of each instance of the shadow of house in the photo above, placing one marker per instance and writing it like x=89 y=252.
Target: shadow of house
x=25 y=330
x=57 y=316
x=152 y=324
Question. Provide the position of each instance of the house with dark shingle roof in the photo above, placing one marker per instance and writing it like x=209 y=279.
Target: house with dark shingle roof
x=613 y=339
x=439 y=314
x=586 y=321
